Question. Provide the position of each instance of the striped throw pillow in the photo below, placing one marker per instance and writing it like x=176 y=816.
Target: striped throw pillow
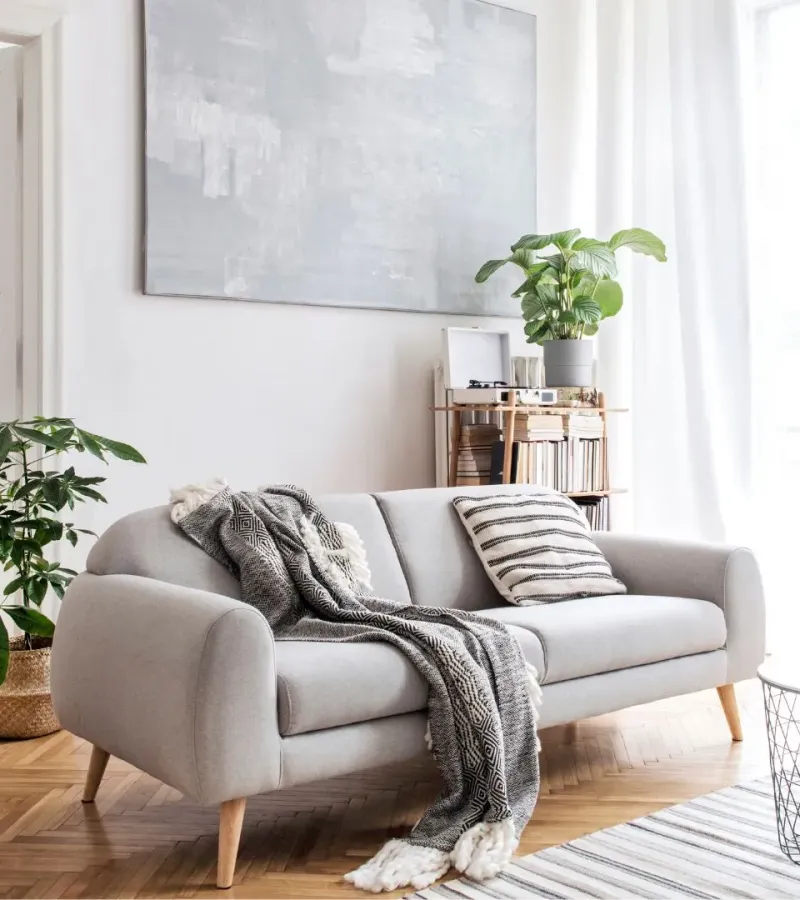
x=536 y=548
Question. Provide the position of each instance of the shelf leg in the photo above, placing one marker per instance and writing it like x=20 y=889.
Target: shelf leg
x=455 y=446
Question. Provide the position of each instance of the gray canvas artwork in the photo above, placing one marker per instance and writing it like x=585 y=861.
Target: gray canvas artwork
x=364 y=153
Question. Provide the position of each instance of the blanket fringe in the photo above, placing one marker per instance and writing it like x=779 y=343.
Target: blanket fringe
x=485 y=849
x=188 y=498
x=399 y=864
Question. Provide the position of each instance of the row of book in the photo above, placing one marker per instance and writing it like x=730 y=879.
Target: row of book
x=554 y=427
x=596 y=510
x=574 y=465
x=475 y=454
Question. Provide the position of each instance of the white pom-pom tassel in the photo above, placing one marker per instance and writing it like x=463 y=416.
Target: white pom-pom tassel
x=399 y=864
x=485 y=849
x=190 y=497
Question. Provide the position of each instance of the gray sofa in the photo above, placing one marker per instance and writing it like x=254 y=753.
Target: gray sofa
x=156 y=660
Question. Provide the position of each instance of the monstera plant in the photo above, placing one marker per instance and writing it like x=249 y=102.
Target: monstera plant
x=37 y=502
x=569 y=288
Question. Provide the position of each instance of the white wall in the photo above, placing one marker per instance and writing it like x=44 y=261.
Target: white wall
x=333 y=399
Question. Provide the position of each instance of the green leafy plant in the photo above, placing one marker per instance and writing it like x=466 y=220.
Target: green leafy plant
x=568 y=291
x=33 y=510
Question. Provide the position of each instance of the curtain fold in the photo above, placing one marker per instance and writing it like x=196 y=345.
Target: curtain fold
x=671 y=158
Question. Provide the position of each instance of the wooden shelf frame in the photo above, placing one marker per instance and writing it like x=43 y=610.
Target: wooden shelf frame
x=509 y=413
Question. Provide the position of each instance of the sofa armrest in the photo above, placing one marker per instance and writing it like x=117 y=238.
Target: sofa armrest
x=726 y=576
x=176 y=681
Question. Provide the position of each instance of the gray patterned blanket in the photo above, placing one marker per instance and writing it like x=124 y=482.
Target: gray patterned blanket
x=289 y=559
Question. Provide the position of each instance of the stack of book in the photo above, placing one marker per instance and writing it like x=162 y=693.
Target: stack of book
x=475 y=454
x=572 y=465
x=583 y=425
x=596 y=511
x=538 y=427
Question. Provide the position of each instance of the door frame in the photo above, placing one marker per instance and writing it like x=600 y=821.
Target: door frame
x=34 y=25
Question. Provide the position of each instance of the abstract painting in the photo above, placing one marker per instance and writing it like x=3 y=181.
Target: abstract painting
x=362 y=153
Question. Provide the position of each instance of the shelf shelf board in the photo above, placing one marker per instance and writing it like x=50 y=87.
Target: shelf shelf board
x=498 y=408
x=595 y=493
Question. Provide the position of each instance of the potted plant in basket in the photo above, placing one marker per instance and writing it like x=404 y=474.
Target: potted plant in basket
x=568 y=292
x=35 y=503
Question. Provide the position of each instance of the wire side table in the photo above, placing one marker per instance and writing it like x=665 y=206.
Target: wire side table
x=782 y=710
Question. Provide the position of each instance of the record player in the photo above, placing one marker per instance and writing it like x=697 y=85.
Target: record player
x=477 y=365
x=482 y=393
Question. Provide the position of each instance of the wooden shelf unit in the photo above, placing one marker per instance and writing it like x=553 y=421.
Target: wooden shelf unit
x=509 y=412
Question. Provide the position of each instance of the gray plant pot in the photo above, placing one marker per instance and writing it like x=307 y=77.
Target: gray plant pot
x=568 y=363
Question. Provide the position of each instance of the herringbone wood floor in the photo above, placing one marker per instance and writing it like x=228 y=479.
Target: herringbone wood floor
x=142 y=840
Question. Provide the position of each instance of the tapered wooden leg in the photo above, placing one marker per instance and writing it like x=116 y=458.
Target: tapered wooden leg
x=727 y=697
x=231 y=814
x=97 y=767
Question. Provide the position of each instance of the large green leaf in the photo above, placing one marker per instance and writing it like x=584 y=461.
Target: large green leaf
x=539 y=331
x=51 y=441
x=525 y=259
x=535 y=274
x=561 y=239
x=586 y=310
x=90 y=443
x=484 y=273
x=594 y=256
x=640 y=241
x=120 y=450
x=4 y=651
x=608 y=295
x=31 y=621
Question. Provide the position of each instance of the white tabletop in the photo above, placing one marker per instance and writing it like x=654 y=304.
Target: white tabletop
x=782 y=673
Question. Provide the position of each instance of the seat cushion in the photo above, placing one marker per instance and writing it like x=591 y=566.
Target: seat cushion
x=323 y=685
x=603 y=634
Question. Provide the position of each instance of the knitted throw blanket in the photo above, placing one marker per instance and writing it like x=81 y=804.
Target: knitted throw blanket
x=290 y=560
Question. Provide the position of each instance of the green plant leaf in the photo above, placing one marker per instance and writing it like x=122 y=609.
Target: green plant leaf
x=525 y=259
x=4 y=650
x=640 y=241
x=6 y=440
x=535 y=274
x=484 y=273
x=38 y=437
x=37 y=590
x=608 y=295
x=31 y=621
x=591 y=330
x=13 y=586
x=561 y=239
x=71 y=537
x=594 y=256
x=89 y=492
x=91 y=444
x=120 y=450
x=586 y=311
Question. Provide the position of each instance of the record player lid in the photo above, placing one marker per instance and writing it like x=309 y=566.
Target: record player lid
x=476 y=354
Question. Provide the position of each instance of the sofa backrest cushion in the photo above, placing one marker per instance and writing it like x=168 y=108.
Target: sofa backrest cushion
x=149 y=544
x=439 y=561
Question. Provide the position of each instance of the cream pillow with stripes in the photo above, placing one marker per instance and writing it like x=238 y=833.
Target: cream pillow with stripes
x=536 y=548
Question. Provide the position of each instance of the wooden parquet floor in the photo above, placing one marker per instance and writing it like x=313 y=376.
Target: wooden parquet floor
x=142 y=840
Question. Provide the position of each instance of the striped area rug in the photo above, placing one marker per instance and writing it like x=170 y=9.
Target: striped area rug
x=721 y=845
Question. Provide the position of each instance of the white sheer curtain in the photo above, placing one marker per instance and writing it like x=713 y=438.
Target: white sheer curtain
x=666 y=131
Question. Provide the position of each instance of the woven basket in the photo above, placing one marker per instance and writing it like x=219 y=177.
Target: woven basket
x=26 y=710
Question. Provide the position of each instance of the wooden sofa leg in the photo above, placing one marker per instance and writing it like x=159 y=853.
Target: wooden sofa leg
x=727 y=697
x=97 y=768
x=231 y=815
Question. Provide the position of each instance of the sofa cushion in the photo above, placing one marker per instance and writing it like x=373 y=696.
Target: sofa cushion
x=603 y=634
x=323 y=685
x=440 y=564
